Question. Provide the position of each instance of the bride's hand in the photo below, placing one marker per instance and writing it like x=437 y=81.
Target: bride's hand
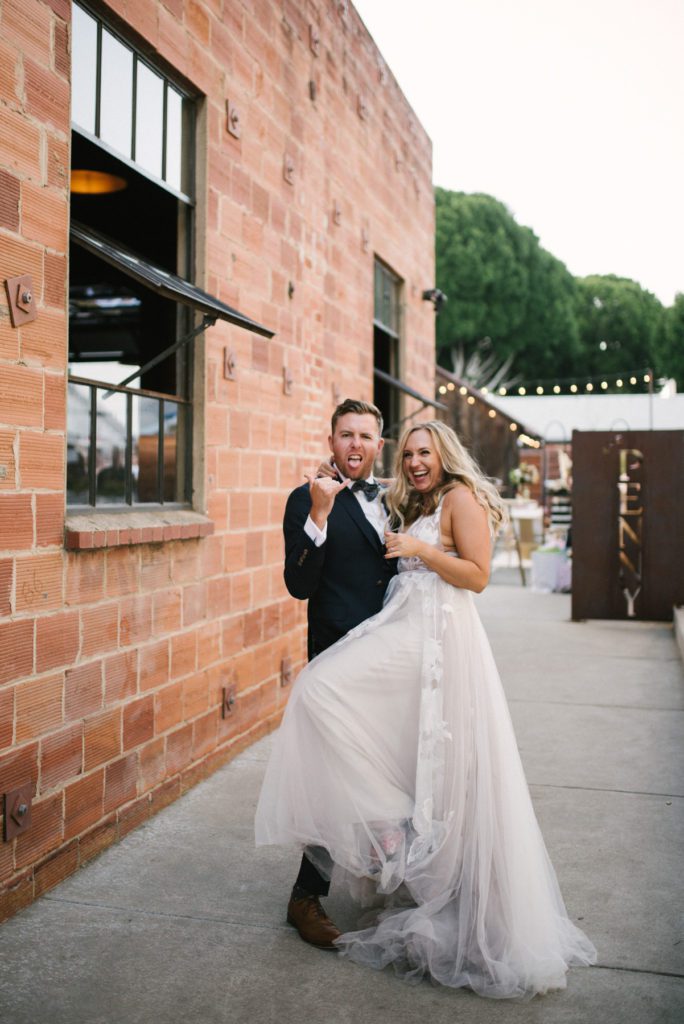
x=402 y=545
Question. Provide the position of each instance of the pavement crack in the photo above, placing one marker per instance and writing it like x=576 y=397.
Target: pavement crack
x=637 y=970
x=164 y=914
x=594 y=704
x=606 y=789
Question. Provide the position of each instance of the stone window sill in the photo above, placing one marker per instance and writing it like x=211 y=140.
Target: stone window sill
x=85 y=531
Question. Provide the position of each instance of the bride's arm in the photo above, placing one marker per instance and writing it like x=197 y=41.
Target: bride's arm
x=467 y=523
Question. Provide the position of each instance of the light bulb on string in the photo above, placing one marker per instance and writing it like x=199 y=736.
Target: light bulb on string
x=573 y=388
x=604 y=385
x=463 y=391
x=590 y=386
x=619 y=382
x=450 y=386
x=521 y=391
x=502 y=391
x=556 y=389
x=647 y=378
x=540 y=390
x=632 y=380
x=442 y=389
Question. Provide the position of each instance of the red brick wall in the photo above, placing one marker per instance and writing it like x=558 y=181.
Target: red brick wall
x=112 y=661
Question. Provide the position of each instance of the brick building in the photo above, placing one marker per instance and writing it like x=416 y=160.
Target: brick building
x=262 y=151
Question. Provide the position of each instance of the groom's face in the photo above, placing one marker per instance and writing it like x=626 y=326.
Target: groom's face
x=355 y=444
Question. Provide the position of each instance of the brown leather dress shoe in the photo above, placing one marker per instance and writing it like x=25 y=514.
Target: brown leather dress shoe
x=312 y=922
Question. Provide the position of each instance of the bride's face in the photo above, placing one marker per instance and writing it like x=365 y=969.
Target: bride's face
x=421 y=463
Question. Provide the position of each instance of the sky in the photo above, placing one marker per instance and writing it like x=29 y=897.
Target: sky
x=571 y=112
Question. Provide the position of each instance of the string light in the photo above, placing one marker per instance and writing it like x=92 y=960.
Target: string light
x=492 y=413
x=557 y=387
x=512 y=426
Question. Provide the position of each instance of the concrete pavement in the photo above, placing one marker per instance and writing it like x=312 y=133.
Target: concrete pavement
x=184 y=922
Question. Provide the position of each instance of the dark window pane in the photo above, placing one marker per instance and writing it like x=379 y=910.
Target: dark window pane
x=174 y=138
x=149 y=119
x=145 y=449
x=111 y=464
x=386 y=298
x=78 y=444
x=116 y=94
x=84 y=69
x=173 y=452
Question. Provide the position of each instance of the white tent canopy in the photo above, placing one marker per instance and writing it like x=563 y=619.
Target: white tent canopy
x=554 y=417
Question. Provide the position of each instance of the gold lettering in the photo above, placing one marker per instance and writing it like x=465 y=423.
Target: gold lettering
x=625 y=560
x=624 y=461
x=630 y=523
x=633 y=535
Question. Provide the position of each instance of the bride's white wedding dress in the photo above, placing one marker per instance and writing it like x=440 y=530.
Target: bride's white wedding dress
x=397 y=755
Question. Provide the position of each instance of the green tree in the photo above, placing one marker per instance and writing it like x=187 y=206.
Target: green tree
x=501 y=285
x=672 y=362
x=548 y=341
x=622 y=326
x=482 y=264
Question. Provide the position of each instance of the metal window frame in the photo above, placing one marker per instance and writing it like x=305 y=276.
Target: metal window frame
x=167 y=80
x=130 y=393
x=173 y=288
x=387 y=275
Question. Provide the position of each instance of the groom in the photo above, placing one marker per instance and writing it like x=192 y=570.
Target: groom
x=335 y=558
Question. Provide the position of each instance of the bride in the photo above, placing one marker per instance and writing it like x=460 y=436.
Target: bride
x=397 y=761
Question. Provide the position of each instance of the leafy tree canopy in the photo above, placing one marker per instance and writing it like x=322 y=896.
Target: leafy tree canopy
x=502 y=285
x=673 y=347
x=621 y=324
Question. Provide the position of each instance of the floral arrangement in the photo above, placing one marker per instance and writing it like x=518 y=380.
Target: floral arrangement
x=525 y=473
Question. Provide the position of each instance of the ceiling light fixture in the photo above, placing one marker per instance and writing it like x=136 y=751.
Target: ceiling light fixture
x=93 y=183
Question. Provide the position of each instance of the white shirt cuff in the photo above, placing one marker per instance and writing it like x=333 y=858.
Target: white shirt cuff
x=313 y=533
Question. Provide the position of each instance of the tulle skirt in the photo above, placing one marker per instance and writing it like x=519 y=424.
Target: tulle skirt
x=397 y=756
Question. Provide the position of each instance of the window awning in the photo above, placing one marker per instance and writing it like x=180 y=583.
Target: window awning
x=400 y=386
x=166 y=284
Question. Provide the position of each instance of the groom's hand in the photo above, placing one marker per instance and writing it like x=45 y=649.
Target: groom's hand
x=323 y=491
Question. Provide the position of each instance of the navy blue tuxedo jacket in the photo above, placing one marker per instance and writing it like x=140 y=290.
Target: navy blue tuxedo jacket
x=344 y=579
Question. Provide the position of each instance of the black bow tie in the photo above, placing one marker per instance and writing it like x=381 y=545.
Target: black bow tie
x=370 y=490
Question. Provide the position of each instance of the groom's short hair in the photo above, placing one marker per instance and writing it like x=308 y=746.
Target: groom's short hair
x=360 y=408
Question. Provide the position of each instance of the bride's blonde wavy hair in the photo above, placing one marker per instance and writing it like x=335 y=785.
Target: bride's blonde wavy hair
x=406 y=504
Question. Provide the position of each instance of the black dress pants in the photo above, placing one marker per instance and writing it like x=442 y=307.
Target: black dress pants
x=309 y=879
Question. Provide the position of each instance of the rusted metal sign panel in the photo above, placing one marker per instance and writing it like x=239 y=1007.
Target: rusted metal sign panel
x=627 y=524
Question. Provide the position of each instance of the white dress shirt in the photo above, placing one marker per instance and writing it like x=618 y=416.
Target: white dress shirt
x=374 y=511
